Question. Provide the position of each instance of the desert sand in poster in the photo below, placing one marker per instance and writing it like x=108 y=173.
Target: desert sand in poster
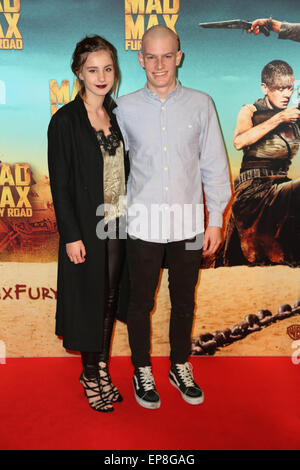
x=224 y=297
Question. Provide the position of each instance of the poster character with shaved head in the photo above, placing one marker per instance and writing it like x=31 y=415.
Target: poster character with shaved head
x=264 y=227
x=176 y=150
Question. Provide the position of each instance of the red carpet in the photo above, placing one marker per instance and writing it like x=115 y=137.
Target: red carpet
x=250 y=403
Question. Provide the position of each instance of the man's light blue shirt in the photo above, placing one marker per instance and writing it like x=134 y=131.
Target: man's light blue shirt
x=175 y=149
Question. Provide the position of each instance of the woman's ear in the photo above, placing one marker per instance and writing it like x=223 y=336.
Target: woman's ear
x=264 y=89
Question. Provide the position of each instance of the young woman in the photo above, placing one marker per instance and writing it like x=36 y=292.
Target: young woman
x=264 y=226
x=87 y=175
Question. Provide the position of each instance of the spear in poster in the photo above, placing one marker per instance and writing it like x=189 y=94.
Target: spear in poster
x=235 y=24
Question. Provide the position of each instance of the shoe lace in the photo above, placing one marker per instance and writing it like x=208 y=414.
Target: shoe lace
x=185 y=373
x=146 y=378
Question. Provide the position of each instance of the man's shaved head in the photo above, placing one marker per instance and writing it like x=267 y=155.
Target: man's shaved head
x=159 y=32
x=160 y=58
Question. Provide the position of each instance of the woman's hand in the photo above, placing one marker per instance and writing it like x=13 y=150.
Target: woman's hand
x=76 y=252
x=290 y=114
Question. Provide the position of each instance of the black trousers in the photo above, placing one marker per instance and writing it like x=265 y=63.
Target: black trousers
x=144 y=263
x=115 y=251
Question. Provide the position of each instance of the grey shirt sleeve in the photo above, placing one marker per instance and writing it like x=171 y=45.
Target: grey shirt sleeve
x=214 y=168
x=290 y=31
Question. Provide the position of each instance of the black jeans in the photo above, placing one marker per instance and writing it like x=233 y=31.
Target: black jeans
x=144 y=263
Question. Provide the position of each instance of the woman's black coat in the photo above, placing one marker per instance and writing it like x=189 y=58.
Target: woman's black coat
x=76 y=179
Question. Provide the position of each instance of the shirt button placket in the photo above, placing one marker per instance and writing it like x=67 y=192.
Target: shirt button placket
x=165 y=163
x=165 y=167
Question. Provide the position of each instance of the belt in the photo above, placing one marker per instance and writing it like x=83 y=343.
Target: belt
x=258 y=173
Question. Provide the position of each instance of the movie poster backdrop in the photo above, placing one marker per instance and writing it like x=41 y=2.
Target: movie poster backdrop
x=36 y=43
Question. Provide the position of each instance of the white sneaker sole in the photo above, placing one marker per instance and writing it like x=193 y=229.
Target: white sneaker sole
x=146 y=404
x=189 y=400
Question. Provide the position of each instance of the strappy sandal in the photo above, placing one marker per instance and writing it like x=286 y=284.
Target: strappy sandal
x=113 y=394
x=101 y=398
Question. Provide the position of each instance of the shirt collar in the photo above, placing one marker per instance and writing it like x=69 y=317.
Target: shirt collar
x=174 y=93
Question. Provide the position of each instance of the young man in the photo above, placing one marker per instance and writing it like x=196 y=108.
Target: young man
x=175 y=145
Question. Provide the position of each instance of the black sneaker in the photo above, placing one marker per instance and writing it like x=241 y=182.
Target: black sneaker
x=144 y=388
x=182 y=378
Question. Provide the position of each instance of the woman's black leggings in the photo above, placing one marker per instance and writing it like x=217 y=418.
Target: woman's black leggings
x=115 y=250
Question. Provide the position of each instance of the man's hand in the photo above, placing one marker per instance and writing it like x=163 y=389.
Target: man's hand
x=76 y=252
x=212 y=240
x=263 y=22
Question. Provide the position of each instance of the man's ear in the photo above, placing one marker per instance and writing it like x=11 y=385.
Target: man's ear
x=141 y=59
x=178 y=58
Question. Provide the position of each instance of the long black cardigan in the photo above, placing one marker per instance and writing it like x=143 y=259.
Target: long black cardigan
x=76 y=178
